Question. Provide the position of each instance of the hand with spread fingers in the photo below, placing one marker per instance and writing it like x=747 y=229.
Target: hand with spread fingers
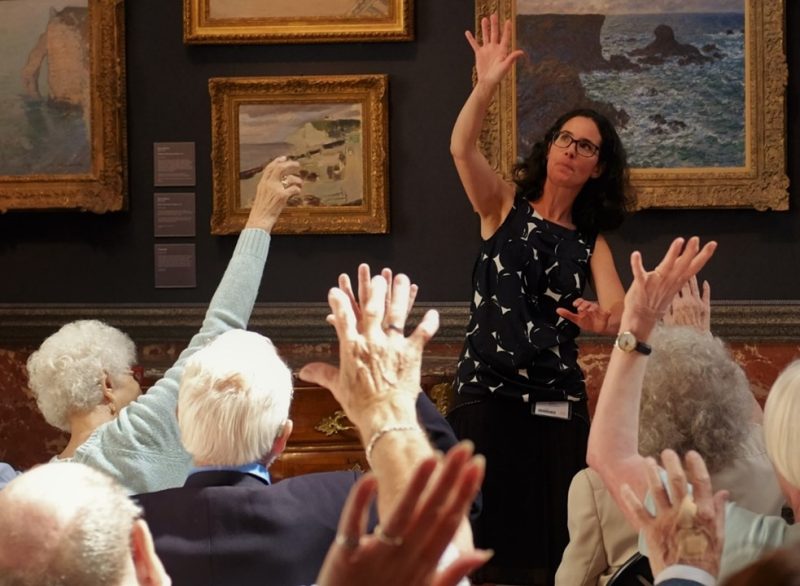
x=378 y=378
x=364 y=279
x=687 y=528
x=279 y=181
x=493 y=56
x=651 y=292
x=377 y=382
x=409 y=546
x=690 y=308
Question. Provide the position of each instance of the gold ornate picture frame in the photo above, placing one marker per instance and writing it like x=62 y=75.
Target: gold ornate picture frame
x=296 y=21
x=753 y=176
x=335 y=126
x=63 y=137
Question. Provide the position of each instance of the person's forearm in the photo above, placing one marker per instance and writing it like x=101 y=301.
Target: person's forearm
x=613 y=450
x=467 y=129
x=394 y=458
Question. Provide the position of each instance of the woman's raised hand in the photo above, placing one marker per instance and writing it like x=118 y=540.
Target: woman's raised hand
x=494 y=57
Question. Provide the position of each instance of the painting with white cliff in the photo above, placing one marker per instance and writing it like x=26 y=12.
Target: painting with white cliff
x=324 y=138
x=44 y=88
x=669 y=73
x=335 y=126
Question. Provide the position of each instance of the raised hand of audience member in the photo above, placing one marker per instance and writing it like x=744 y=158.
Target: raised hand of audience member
x=691 y=308
x=378 y=378
x=279 y=181
x=423 y=524
x=687 y=529
x=613 y=448
x=651 y=292
x=364 y=279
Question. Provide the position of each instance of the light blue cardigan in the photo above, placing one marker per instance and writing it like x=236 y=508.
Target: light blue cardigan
x=142 y=448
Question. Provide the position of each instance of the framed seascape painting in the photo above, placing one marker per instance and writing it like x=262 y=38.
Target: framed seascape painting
x=296 y=21
x=62 y=105
x=335 y=126
x=696 y=89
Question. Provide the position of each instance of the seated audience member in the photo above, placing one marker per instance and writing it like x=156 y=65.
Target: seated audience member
x=779 y=568
x=70 y=525
x=83 y=376
x=88 y=533
x=7 y=474
x=613 y=440
x=694 y=396
x=686 y=532
x=228 y=524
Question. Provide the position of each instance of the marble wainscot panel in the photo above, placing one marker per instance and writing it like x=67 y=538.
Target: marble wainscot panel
x=764 y=338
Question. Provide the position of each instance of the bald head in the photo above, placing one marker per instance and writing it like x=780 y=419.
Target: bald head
x=65 y=524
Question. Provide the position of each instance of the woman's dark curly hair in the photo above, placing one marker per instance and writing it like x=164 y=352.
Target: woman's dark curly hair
x=604 y=201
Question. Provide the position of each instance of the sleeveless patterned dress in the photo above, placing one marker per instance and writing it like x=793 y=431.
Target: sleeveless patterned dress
x=519 y=351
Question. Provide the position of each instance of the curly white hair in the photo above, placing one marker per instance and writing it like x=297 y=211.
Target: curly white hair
x=66 y=373
x=694 y=397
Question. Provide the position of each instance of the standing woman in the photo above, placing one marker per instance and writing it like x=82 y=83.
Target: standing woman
x=519 y=392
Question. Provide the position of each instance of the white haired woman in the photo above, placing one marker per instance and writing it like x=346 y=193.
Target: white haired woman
x=83 y=375
x=694 y=397
x=613 y=441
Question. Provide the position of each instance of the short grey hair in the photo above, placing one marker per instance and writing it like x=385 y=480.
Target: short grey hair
x=782 y=423
x=66 y=373
x=694 y=397
x=234 y=399
x=65 y=524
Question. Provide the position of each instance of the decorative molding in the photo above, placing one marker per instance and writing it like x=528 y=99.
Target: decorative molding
x=304 y=323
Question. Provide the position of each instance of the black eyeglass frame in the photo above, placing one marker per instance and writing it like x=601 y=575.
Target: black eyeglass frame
x=581 y=143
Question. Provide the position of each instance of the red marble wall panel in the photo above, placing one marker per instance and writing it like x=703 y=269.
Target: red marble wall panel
x=26 y=439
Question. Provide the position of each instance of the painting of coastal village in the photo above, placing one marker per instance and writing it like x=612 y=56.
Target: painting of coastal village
x=326 y=139
x=670 y=74
x=221 y=9
x=44 y=88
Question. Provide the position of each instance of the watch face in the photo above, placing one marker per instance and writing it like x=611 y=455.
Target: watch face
x=626 y=341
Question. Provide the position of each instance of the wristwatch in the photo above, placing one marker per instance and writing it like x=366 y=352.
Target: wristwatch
x=627 y=342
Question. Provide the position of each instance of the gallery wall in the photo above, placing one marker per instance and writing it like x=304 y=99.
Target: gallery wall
x=71 y=257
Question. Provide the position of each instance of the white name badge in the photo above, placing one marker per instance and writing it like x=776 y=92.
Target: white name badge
x=556 y=409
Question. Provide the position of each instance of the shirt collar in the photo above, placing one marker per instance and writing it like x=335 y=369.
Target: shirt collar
x=256 y=469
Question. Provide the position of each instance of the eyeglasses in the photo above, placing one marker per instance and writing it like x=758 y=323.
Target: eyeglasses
x=585 y=148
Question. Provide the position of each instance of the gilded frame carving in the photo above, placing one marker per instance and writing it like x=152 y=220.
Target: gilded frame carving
x=104 y=187
x=199 y=27
x=761 y=183
x=367 y=93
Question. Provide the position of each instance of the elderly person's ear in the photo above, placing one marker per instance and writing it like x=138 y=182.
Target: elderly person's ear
x=279 y=445
x=108 y=394
x=149 y=569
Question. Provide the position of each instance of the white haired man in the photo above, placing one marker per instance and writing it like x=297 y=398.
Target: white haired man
x=84 y=383
x=88 y=533
x=70 y=525
x=228 y=524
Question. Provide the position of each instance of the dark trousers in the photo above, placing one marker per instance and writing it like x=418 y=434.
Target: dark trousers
x=530 y=462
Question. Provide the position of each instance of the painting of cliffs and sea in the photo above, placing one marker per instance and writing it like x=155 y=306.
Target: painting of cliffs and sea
x=44 y=83
x=700 y=115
